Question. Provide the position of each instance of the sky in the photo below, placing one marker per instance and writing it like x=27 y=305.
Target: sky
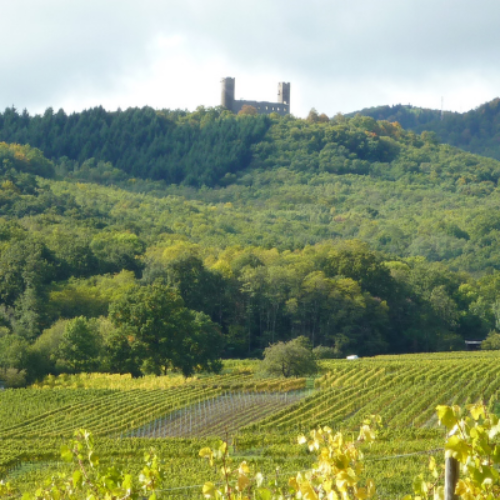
x=338 y=55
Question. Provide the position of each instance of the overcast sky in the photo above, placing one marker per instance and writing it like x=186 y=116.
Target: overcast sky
x=339 y=55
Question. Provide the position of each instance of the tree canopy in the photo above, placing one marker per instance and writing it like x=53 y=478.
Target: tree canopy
x=164 y=333
x=290 y=359
x=359 y=235
x=477 y=130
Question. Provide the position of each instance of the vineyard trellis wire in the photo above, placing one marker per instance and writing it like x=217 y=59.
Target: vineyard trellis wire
x=223 y=413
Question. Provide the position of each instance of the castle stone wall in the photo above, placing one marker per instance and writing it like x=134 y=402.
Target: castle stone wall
x=228 y=101
x=263 y=107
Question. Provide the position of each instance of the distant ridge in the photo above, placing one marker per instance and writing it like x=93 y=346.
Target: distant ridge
x=477 y=131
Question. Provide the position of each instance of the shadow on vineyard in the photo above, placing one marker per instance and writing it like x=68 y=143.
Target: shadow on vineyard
x=220 y=415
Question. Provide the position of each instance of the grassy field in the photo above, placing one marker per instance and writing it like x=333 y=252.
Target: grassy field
x=260 y=417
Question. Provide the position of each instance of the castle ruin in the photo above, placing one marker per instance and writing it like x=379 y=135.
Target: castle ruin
x=282 y=106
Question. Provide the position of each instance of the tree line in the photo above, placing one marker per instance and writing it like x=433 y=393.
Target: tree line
x=174 y=146
x=304 y=241
x=187 y=306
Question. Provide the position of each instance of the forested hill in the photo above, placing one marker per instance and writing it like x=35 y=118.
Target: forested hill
x=477 y=131
x=174 y=146
x=211 y=146
x=357 y=234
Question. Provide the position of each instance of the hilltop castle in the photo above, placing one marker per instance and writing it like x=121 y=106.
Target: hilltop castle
x=282 y=106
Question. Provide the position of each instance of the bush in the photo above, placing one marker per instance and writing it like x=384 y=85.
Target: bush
x=290 y=359
x=492 y=342
x=323 y=352
x=13 y=378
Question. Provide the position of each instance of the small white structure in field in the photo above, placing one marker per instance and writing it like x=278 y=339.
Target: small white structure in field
x=352 y=356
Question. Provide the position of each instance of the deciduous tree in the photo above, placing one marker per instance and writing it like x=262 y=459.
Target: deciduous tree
x=164 y=333
x=290 y=359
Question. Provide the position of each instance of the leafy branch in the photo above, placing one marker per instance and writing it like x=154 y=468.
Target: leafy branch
x=91 y=481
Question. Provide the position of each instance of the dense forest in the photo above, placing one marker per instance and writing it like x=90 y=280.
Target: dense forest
x=477 y=131
x=174 y=146
x=362 y=236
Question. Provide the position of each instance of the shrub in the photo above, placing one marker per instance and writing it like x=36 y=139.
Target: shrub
x=290 y=359
x=492 y=342
x=323 y=352
x=13 y=378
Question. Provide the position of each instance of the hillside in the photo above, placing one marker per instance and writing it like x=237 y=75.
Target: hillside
x=174 y=146
x=477 y=131
x=357 y=234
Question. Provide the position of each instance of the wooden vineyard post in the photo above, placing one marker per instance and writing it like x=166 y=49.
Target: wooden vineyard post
x=451 y=475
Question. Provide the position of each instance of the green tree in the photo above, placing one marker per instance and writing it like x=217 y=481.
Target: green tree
x=247 y=109
x=117 y=251
x=24 y=264
x=491 y=342
x=80 y=344
x=496 y=311
x=290 y=359
x=164 y=333
x=43 y=354
x=120 y=352
x=322 y=352
x=313 y=116
x=13 y=351
x=13 y=377
x=30 y=312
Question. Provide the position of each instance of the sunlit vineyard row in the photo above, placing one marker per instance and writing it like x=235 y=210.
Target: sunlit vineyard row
x=405 y=393
x=33 y=413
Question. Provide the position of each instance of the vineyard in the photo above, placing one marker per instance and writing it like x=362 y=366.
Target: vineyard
x=260 y=417
x=219 y=415
x=403 y=393
x=35 y=413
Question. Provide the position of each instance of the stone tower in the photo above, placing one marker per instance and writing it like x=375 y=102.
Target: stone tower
x=284 y=93
x=227 y=94
x=228 y=101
